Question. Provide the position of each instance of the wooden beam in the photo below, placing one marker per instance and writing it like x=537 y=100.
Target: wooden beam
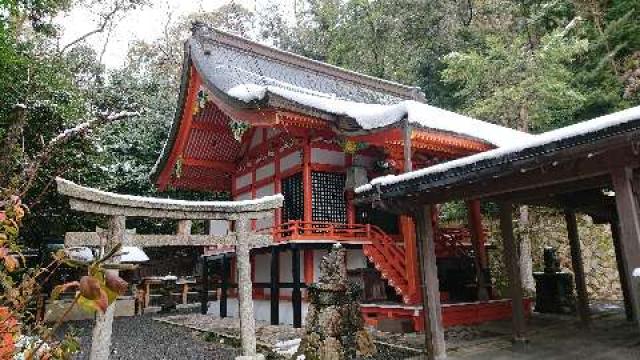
x=622 y=274
x=204 y=292
x=629 y=219
x=308 y=266
x=578 y=269
x=184 y=130
x=224 y=286
x=432 y=312
x=406 y=141
x=512 y=266
x=535 y=176
x=275 y=285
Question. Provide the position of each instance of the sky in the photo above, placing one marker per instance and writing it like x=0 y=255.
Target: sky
x=146 y=24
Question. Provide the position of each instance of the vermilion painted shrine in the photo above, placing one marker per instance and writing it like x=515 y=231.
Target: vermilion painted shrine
x=255 y=121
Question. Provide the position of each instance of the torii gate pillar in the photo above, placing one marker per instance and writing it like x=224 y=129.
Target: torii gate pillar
x=101 y=337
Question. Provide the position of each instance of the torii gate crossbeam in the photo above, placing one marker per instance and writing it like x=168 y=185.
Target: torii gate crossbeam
x=118 y=207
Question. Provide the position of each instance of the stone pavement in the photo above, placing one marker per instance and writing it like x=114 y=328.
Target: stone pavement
x=556 y=338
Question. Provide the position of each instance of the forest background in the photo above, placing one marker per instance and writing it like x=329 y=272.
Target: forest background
x=533 y=65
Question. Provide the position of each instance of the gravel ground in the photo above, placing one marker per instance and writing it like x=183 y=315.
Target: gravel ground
x=141 y=338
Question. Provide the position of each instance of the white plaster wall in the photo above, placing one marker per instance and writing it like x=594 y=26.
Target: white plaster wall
x=291 y=160
x=262 y=263
x=265 y=171
x=265 y=190
x=243 y=181
x=262 y=310
x=329 y=157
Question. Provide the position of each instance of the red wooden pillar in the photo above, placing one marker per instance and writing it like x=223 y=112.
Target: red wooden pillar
x=349 y=195
x=277 y=188
x=308 y=266
x=306 y=180
x=253 y=190
x=478 y=241
x=408 y=230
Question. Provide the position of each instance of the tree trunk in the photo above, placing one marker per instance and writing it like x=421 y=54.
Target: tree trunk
x=526 y=264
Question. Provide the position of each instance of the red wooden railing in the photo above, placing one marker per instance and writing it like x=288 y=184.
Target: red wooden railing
x=386 y=254
x=316 y=230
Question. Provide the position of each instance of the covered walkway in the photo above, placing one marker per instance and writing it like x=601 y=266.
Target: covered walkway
x=591 y=167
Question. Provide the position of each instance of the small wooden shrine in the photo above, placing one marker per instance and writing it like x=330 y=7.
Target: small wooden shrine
x=254 y=121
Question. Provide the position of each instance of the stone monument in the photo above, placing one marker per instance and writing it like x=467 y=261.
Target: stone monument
x=334 y=328
x=554 y=287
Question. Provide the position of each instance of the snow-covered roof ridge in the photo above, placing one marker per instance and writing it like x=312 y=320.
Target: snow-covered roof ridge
x=203 y=32
x=579 y=129
x=374 y=116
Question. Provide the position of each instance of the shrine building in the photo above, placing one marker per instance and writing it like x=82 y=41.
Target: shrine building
x=256 y=121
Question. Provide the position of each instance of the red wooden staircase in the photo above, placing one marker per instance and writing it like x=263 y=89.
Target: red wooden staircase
x=390 y=260
x=389 y=257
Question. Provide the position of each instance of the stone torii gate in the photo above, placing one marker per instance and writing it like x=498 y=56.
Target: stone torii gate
x=118 y=207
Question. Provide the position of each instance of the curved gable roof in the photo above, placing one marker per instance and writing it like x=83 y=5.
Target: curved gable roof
x=227 y=61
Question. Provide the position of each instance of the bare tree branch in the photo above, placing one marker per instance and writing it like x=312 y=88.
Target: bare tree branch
x=64 y=137
x=106 y=19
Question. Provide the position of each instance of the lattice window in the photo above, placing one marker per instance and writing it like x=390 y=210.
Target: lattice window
x=293 y=192
x=328 y=200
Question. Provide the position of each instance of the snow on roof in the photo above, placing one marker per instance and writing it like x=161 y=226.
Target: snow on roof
x=249 y=72
x=581 y=128
x=228 y=60
x=133 y=254
x=374 y=116
x=128 y=254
